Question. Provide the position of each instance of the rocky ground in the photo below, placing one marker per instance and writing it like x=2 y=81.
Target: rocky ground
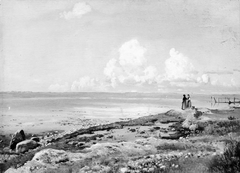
x=175 y=141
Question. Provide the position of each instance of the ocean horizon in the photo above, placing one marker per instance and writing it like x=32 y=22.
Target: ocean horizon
x=100 y=104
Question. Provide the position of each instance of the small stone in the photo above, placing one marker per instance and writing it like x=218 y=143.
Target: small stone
x=96 y=168
x=145 y=169
x=151 y=169
x=163 y=167
x=123 y=170
x=80 y=144
x=132 y=130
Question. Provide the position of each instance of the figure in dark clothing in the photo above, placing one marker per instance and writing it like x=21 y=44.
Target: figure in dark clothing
x=184 y=102
x=189 y=103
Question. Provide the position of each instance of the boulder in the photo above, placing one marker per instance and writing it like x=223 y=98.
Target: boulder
x=132 y=130
x=37 y=139
x=17 y=137
x=171 y=136
x=173 y=113
x=26 y=145
x=51 y=156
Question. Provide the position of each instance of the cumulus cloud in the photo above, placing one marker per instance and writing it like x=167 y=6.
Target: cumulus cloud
x=131 y=67
x=203 y=79
x=79 y=9
x=58 y=87
x=179 y=71
x=132 y=54
x=85 y=83
x=178 y=66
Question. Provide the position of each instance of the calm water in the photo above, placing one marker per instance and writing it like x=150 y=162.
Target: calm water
x=98 y=105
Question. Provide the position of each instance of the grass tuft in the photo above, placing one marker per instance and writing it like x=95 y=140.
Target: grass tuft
x=229 y=161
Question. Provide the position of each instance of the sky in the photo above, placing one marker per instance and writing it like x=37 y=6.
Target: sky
x=120 y=46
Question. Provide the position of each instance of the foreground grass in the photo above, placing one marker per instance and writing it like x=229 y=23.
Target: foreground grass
x=229 y=161
x=207 y=131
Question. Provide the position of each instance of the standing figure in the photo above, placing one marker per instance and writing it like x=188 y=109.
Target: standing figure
x=189 y=103
x=184 y=102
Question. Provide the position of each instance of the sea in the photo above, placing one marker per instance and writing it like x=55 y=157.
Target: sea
x=101 y=105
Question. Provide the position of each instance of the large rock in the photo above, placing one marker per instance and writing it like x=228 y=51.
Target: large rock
x=37 y=139
x=17 y=137
x=172 y=112
x=26 y=145
x=51 y=156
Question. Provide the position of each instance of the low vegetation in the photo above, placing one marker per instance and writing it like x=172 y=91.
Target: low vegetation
x=229 y=161
x=219 y=127
x=200 y=146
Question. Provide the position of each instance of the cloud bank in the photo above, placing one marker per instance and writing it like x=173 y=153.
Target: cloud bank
x=132 y=71
x=85 y=83
x=79 y=9
x=58 y=87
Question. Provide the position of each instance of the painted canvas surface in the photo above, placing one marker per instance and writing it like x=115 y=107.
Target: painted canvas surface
x=151 y=84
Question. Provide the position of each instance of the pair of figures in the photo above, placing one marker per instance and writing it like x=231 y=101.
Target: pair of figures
x=186 y=102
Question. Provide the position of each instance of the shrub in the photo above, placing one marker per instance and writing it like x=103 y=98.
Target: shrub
x=220 y=127
x=229 y=161
x=231 y=118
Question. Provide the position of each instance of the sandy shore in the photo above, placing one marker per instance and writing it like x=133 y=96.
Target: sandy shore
x=65 y=120
x=159 y=139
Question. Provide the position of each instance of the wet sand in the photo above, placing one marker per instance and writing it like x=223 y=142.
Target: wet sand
x=69 y=120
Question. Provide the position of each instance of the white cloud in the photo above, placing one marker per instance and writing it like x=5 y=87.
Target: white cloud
x=79 y=9
x=203 y=79
x=132 y=54
x=58 y=88
x=179 y=72
x=178 y=66
x=131 y=67
x=149 y=76
x=227 y=80
x=110 y=68
x=85 y=84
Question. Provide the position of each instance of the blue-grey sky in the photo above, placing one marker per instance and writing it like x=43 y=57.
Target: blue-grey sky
x=120 y=45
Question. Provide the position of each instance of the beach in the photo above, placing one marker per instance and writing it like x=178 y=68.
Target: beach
x=140 y=133
x=39 y=112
